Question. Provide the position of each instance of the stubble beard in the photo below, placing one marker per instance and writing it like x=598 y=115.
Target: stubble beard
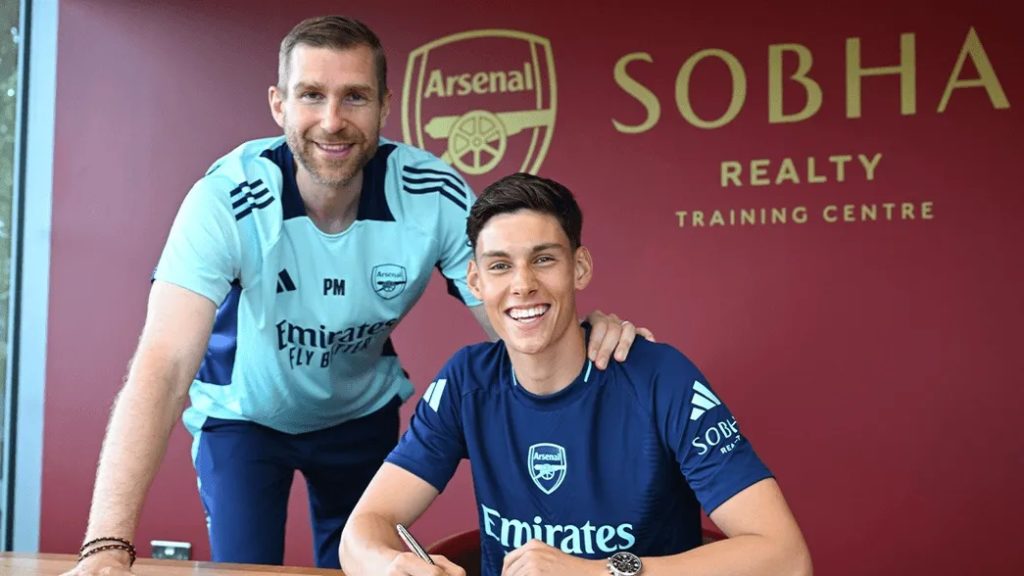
x=325 y=172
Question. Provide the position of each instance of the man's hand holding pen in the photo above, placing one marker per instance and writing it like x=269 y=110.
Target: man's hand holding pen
x=417 y=562
x=408 y=564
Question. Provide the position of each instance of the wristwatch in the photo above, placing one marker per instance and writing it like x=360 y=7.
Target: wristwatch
x=625 y=564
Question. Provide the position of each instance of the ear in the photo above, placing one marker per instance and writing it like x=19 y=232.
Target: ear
x=584 y=267
x=276 y=99
x=473 y=280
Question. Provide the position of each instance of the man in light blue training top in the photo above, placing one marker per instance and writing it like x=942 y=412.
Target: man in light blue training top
x=289 y=265
x=577 y=470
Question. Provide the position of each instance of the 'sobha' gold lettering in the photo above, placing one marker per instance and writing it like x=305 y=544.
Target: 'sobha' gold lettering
x=903 y=66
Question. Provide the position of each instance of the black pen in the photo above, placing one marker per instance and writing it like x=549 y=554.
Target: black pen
x=412 y=544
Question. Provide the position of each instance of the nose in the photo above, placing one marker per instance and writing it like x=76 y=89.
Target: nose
x=524 y=281
x=334 y=119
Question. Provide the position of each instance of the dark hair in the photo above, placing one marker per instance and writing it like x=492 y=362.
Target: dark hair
x=337 y=32
x=523 y=191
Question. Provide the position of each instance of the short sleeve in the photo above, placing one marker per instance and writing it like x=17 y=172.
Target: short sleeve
x=717 y=461
x=202 y=253
x=434 y=444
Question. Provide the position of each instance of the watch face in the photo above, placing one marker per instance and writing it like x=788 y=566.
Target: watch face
x=625 y=563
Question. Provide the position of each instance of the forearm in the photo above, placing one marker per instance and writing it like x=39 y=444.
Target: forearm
x=144 y=414
x=369 y=544
x=742 y=555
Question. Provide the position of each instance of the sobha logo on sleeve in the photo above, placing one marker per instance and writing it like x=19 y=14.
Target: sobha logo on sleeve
x=482 y=99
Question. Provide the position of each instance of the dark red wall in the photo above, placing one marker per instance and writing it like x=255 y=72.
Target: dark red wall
x=875 y=365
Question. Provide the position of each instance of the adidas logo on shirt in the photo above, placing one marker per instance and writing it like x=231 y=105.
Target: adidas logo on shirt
x=284 y=282
x=434 y=392
x=249 y=196
x=722 y=436
x=427 y=181
x=703 y=400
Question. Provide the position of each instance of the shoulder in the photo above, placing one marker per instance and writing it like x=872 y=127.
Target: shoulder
x=646 y=356
x=250 y=167
x=421 y=179
x=402 y=155
x=476 y=367
x=246 y=181
x=658 y=368
x=248 y=155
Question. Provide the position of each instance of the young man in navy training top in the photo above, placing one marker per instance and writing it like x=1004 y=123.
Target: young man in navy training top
x=577 y=470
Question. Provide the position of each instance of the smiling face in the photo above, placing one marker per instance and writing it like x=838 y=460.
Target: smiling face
x=331 y=111
x=527 y=274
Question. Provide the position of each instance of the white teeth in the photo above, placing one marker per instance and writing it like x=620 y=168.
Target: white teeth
x=527 y=313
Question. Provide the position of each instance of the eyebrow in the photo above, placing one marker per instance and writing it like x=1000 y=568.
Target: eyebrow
x=300 y=86
x=320 y=87
x=534 y=250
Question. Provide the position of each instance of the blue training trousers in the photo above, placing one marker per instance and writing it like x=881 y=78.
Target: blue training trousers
x=245 y=475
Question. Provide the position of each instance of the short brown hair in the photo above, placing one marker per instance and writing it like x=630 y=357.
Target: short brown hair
x=339 y=33
x=523 y=191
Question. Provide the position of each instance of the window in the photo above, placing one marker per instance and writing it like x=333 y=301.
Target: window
x=10 y=36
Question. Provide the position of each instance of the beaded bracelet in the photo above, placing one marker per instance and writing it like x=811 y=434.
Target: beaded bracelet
x=127 y=547
x=107 y=539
